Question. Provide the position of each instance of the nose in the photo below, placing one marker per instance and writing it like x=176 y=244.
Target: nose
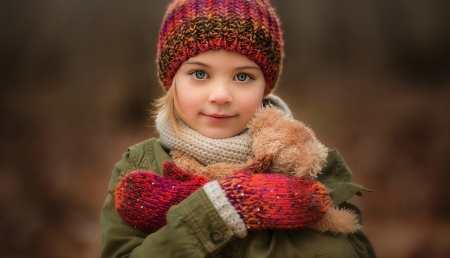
x=220 y=93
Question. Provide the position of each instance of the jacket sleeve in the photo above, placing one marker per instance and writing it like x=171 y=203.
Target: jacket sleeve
x=337 y=176
x=194 y=228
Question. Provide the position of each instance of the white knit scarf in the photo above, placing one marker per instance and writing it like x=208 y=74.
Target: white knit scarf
x=233 y=150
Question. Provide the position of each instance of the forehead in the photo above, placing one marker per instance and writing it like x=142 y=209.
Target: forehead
x=227 y=58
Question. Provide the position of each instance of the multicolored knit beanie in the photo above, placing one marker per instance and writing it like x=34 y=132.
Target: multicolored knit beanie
x=248 y=27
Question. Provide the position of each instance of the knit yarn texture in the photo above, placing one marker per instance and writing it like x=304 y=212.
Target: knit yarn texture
x=269 y=201
x=142 y=198
x=207 y=151
x=190 y=27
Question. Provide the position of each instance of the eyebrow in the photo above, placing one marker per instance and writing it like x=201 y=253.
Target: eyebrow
x=208 y=66
x=196 y=63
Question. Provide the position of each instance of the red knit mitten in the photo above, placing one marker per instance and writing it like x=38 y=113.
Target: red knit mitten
x=173 y=171
x=142 y=198
x=269 y=201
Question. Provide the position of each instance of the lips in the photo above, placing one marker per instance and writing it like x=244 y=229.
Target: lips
x=218 y=117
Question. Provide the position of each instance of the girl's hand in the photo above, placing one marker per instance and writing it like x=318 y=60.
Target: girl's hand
x=142 y=198
x=173 y=171
x=272 y=201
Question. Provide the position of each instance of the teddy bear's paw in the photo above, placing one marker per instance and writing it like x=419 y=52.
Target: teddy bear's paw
x=261 y=164
x=338 y=221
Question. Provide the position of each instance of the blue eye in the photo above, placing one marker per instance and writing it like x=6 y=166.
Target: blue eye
x=242 y=77
x=199 y=75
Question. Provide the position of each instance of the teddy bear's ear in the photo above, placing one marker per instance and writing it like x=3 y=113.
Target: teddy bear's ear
x=312 y=159
x=272 y=100
x=265 y=117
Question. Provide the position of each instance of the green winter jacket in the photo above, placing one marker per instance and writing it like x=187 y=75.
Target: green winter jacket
x=195 y=229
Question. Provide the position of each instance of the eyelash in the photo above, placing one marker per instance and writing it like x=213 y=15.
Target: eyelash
x=194 y=73
x=248 y=78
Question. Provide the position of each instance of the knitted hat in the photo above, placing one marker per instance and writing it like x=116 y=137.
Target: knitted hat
x=248 y=27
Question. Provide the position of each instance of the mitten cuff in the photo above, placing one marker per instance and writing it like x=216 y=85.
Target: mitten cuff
x=225 y=209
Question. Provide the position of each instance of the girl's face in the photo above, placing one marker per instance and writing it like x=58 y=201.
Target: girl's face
x=218 y=92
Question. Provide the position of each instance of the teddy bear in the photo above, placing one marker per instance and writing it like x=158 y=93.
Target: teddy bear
x=282 y=145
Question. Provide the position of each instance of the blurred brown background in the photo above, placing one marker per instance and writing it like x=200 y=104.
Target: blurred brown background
x=77 y=79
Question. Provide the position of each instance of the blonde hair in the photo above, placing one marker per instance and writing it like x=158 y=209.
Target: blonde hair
x=168 y=104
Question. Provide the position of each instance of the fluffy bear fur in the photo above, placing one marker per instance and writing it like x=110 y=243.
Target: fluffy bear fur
x=293 y=149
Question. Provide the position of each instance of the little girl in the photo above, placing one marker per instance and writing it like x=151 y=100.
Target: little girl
x=211 y=186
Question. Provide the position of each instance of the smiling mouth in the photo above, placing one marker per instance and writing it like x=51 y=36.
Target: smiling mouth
x=219 y=116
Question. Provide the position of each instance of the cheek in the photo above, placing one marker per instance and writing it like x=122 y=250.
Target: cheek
x=187 y=97
x=250 y=103
x=186 y=105
x=252 y=106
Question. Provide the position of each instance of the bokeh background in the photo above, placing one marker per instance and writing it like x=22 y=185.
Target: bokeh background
x=78 y=78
